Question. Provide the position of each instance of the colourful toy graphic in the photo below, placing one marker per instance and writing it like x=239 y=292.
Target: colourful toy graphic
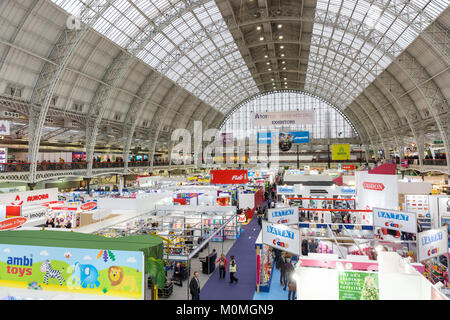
x=87 y=275
x=46 y=267
x=120 y=280
x=107 y=254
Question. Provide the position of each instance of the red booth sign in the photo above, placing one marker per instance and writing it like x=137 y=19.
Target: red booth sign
x=89 y=206
x=348 y=167
x=228 y=176
x=12 y=223
x=373 y=186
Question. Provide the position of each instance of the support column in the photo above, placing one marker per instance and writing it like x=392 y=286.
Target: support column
x=367 y=152
x=88 y=184
x=329 y=156
x=420 y=147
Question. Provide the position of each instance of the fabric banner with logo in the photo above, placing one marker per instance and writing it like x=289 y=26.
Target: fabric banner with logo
x=288 y=118
x=281 y=237
x=228 y=176
x=285 y=189
x=395 y=220
x=340 y=152
x=283 y=138
x=287 y=215
x=432 y=243
x=29 y=197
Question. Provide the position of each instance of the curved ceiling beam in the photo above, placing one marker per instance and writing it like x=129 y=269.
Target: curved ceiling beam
x=50 y=74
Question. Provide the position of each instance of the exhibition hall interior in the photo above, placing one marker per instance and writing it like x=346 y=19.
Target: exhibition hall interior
x=257 y=150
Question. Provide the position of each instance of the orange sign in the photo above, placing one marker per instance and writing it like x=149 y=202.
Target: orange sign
x=348 y=167
x=12 y=223
x=89 y=206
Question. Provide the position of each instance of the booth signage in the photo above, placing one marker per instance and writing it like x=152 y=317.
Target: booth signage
x=378 y=186
x=345 y=190
x=288 y=215
x=89 y=206
x=395 y=220
x=348 y=167
x=358 y=285
x=228 y=177
x=5 y=128
x=29 y=197
x=12 y=223
x=281 y=237
x=270 y=119
x=285 y=190
x=432 y=243
x=106 y=273
x=404 y=163
x=340 y=152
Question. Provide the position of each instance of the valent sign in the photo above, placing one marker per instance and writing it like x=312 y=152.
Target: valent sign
x=281 y=237
x=432 y=243
x=12 y=223
x=228 y=176
x=395 y=220
x=288 y=215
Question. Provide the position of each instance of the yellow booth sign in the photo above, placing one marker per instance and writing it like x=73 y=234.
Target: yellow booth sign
x=340 y=152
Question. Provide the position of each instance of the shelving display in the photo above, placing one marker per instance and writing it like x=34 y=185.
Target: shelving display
x=266 y=267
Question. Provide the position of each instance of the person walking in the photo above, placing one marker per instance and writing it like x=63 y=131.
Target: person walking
x=194 y=287
x=288 y=271
x=178 y=273
x=280 y=266
x=222 y=266
x=292 y=289
x=233 y=269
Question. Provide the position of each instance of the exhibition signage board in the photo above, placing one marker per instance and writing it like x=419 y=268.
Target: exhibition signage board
x=432 y=243
x=228 y=176
x=291 y=137
x=376 y=190
x=12 y=223
x=289 y=118
x=287 y=215
x=358 y=285
x=348 y=167
x=5 y=128
x=89 y=206
x=29 y=197
x=404 y=163
x=340 y=152
x=285 y=189
x=281 y=237
x=395 y=220
x=107 y=273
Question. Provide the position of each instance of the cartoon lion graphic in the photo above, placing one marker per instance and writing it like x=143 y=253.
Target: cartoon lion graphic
x=121 y=281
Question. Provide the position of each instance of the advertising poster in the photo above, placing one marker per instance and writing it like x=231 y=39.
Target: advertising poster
x=284 y=139
x=228 y=177
x=288 y=215
x=111 y=273
x=395 y=220
x=281 y=237
x=376 y=190
x=340 y=152
x=269 y=119
x=358 y=285
x=29 y=197
x=432 y=243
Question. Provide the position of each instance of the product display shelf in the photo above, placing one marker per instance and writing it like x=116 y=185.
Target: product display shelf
x=425 y=223
x=435 y=272
x=267 y=264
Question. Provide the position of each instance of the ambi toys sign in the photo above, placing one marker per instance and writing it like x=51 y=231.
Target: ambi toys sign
x=287 y=215
x=432 y=243
x=281 y=237
x=395 y=220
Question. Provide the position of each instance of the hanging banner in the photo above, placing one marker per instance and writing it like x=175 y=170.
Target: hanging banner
x=358 y=285
x=395 y=220
x=281 y=237
x=432 y=243
x=228 y=177
x=106 y=273
x=5 y=128
x=285 y=189
x=288 y=215
x=376 y=190
x=284 y=138
x=289 y=118
x=29 y=197
x=348 y=167
x=340 y=152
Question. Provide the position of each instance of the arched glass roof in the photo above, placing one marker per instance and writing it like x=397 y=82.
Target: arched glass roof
x=329 y=122
x=360 y=38
x=187 y=41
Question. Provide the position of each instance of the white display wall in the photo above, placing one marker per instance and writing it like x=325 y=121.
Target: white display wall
x=376 y=190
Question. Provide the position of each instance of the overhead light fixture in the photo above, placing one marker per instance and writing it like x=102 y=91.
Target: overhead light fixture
x=272 y=79
x=280 y=26
x=266 y=56
x=282 y=54
x=283 y=62
x=284 y=68
x=258 y=28
x=281 y=47
x=285 y=78
x=268 y=62
x=280 y=37
x=261 y=38
x=269 y=69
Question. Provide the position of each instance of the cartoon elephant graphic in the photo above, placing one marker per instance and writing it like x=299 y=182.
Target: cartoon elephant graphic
x=87 y=275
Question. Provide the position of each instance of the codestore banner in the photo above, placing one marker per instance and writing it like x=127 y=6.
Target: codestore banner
x=358 y=285
x=270 y=119
x=287 y=215
x=395 y=220
x=432 y=243
x=108 y=273
x=228 y=177
x=281 y=237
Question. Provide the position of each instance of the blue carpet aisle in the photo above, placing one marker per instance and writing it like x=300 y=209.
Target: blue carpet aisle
x=245 y=255
x=276 y=290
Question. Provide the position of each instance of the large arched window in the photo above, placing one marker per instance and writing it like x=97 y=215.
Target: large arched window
x=329 y=122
